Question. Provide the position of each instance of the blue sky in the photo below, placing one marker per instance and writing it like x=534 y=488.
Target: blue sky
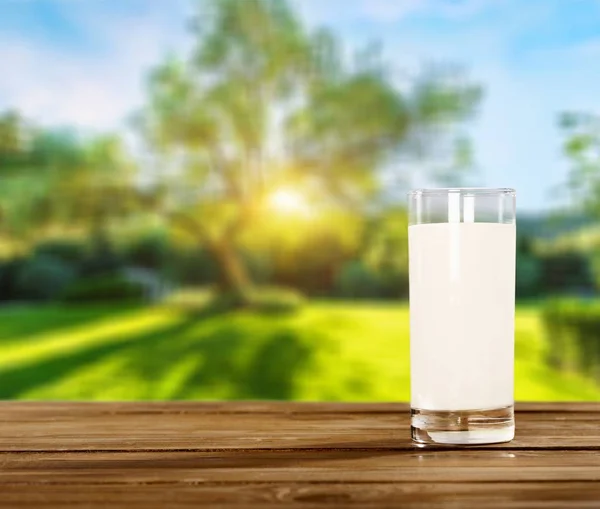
x=83 y=62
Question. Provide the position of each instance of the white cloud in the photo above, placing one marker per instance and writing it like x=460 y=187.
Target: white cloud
x=387 y=11
x=53 y=88
x=95 y=90
x=394 y=10
x=516 y=138
x=390 y=10
x=319 y=12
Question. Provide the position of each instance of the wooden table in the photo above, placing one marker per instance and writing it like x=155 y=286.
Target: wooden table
x=286 y=455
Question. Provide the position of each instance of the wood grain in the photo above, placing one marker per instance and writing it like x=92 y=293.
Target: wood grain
x=203 y=427
x=289 y=466
x=308 y=495
x=262 y=454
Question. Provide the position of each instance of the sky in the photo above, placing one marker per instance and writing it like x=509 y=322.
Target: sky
x=83 y=63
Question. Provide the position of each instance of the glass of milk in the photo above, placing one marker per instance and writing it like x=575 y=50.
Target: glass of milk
x=462 y=302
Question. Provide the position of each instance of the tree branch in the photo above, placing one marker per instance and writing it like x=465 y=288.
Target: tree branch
x=190 y=225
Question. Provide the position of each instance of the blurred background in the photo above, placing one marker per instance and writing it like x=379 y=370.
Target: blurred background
x=206 y=199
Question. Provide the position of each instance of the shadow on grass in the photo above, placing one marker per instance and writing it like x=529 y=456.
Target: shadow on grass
x=228 y=360
x=225 y=357
x=17 y=323
x=19 y=380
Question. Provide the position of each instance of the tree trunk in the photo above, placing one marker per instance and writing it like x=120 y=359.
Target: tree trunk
x=233 y=277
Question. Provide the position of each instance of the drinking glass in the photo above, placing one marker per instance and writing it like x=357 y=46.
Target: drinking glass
x=462 y=302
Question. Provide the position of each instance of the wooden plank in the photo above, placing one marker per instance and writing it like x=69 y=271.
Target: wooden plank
x=281 y=455
x=44 y=427
x=560 y=406
x=13 y=409
x=10 y=410
x=530 y=495
x=292 y=466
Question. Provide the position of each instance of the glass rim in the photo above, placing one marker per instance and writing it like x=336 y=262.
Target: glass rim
x=463 y=191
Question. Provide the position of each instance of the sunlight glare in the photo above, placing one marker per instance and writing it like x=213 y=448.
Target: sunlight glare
x=289 y=201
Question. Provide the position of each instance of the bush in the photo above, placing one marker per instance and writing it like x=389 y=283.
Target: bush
x=43 y=278
x=151 y=252
x=356 y=281
x=9 y=275
x=70 y=252
x=566 y=273
x=273 y=299
x=103 y=289
x=192 y=268
x=266 y=299
x=573 y=331
x=191 y=299
x=529 y=272
x=259 y=266
x=103 y=259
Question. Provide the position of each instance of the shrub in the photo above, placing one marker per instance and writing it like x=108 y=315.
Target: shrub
x=70 y=252
x=355 y=280
x=103 y=289
x=273 y=299
x=9 y=274
x=192 y=268
x=191 y=299
x=566 y=272
x=529 y=271
x=573 y=331
x=259 y=266
x=103 y=259
x=43 y=278
x=151 y=252
x=266 y=299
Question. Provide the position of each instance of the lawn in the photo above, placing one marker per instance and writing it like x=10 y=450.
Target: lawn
x=328 y=351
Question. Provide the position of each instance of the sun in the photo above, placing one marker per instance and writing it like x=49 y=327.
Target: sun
x=288 y=201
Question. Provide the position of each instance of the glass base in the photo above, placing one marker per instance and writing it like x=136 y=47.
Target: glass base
x=463 y=427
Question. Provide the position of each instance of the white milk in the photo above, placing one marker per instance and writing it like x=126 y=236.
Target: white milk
x=462 y=287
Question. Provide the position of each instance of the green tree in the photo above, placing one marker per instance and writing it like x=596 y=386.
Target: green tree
x=581 y=146
x=263 y=102
x=386 y=252
x=54 y=181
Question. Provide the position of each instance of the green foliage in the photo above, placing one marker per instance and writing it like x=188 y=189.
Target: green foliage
x=573 y=329
x=150 y=251
x=263 y=101
x=274 y=299
x=103 y=289
x=355 y=280
x=70 y=252
x=529 y=269
x=566 y=272
x=102 y=258
x=259 y=265
x=386 y=252
x=528 y=276
x=552 y=268
x=263 y=299
x=581 y=146
x=194 y=300
x=192 y=267
x=9 y=273
x=54 y=179
x=313 y=265
x=43 y=277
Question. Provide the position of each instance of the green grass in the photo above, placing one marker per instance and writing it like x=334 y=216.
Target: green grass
x=327 y=351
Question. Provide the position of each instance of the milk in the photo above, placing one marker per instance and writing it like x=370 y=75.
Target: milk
x=462 y=286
